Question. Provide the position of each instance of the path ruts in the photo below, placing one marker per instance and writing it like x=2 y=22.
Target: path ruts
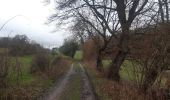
x=67 y=85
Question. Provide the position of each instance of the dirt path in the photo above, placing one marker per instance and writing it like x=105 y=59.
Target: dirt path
x=74 y=85
x=60 y=87
x=87 y=91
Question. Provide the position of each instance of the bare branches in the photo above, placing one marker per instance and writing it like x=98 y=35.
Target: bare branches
x=66 y=3
x=164 y=10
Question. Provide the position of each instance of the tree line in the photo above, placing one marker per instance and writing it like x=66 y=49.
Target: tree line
x=20 y=45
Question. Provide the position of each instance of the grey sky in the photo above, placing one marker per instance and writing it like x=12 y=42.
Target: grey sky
x=34 y=15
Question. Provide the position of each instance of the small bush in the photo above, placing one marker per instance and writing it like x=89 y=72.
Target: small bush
x=59 y=66
x=40 y=62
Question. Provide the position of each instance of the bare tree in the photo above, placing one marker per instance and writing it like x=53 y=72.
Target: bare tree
x=84 y=31
x=93 y=27
x=112 y=16
x=78 y=31
x=164 y=10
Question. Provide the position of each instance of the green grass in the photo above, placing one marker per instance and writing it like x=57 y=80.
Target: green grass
x=127 y=69
x=106 y=63
x=25 y=64
x=34 y=83
x=130 y=71
x=27 y=77
x=73 y=91
x=30 y=84
x=78 y=55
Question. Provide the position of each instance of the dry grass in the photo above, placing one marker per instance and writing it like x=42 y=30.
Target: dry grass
x=59 y=66
x=129 y=91
x=125 y=90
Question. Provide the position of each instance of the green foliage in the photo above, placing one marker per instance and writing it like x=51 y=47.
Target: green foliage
x=69 y=47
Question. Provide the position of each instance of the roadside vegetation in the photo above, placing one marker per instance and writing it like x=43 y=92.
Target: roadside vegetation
x=128 y=88
x=124 y=45
x=28 y=75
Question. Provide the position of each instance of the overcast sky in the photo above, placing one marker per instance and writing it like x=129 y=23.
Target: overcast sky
x=30 y=18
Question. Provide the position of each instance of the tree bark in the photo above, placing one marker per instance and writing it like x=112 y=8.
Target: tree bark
x=161 y=10
x=99 y=64
x=121 y=55
x=115 y=66
x=167 y=10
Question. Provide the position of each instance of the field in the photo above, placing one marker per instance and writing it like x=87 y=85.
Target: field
x=24 y=84
x=78 y=55
x=126 y=71
x=21 y=83
x=130 y=71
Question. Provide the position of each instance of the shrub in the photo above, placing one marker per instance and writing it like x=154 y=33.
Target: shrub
x=4 y=69
x=40 y=62
x=59 y=66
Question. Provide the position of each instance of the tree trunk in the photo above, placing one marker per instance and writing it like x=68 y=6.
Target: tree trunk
x=99 y=64
x=167 y=10
x=118 y=60
x=115 y=66
x=161 y=10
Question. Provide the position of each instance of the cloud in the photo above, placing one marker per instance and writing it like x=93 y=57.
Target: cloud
x=34 y=15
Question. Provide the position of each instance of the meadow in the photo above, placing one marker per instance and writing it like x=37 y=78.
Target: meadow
x=22 y=83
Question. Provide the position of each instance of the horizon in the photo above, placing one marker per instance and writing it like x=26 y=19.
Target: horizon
x=29 y=17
